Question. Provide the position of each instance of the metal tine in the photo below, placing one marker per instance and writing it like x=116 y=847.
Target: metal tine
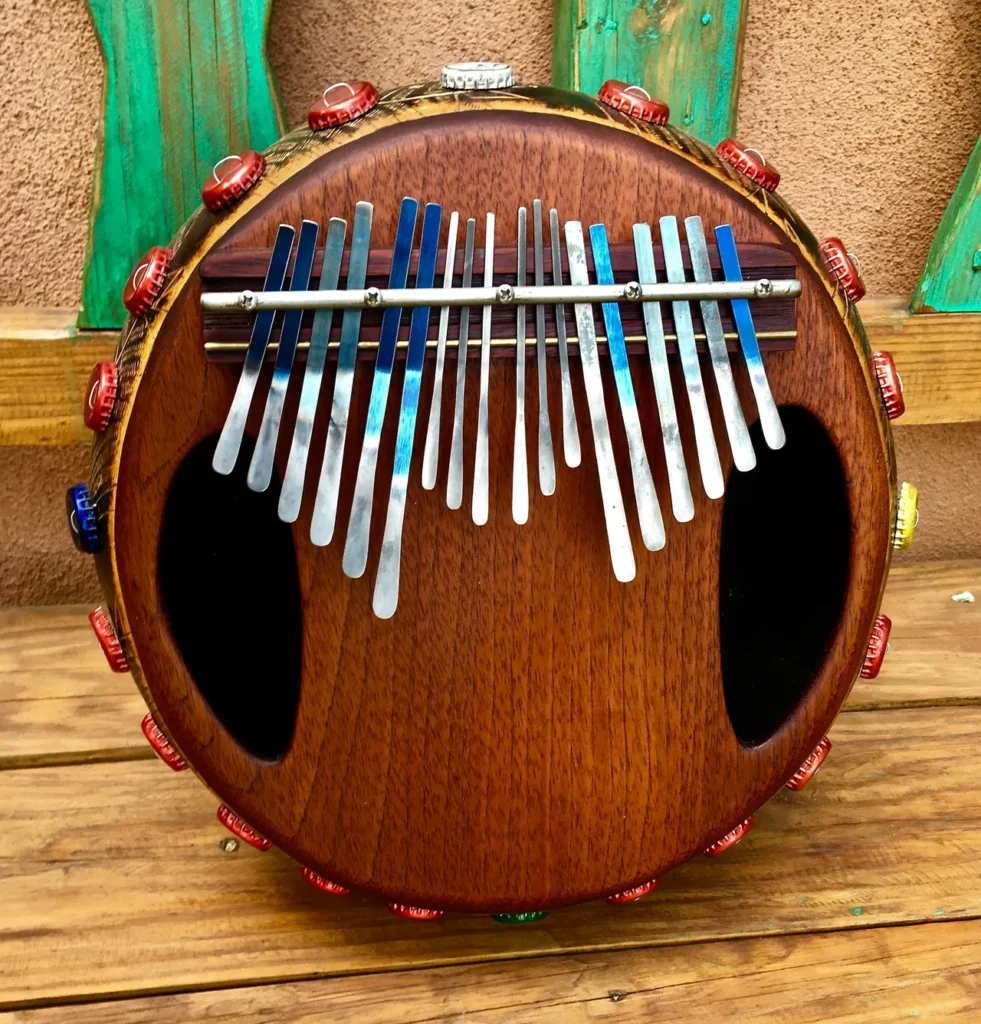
x=291 y=494
x=621 y=551
x=770 y=420
x=230 y=441
x=324 y=518
x=454 y=481
x=570 y=430
x=546 y=457
x=648 y=509
x=261 y=467
x=355 y=558
x=740 y=442
x=430 y=454
x=708 y=454
x=519 y=490
x=674 y=454
x=481 y=483
x=386 y=595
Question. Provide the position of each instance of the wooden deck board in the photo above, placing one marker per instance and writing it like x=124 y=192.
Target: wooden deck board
x=113 y=882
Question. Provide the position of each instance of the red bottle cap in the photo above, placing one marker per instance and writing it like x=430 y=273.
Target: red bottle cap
x=415 y=913
x=841 y=266
x=108 y=640
x=342 y=102
x=324 y=884
x=634 y=101
x=162 y=746
x=100 y=395
x=890 y=384
x=750 y=162
x=147 y=280
x=629 y=895
x=231 y=178
x=242 y=829
x=878 y=643
x=809 y=768
x=730 y=838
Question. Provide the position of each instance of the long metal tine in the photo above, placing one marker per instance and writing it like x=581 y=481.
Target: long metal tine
x=324 y=517
x=261 y=467
x=674 y=454
x=386 y=595
x=291 y=494
x=519 y=488
x=770 y=420
x=648 y=509
x=708 y=454
x=454 y=480
x=546 y=457
x=481 y=482
x=740 y=442
x=230 y=441
x=430 y=454
x=570 y=430
x=355 y=558
x=621 y=551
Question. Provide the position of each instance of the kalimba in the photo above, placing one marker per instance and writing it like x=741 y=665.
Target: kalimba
x=448 y=635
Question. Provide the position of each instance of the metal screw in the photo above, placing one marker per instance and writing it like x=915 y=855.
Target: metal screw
x=228 y=845
x=631 y=291
x=505 y=293
x=247 y=300
x=372 y=296
x=764 y=287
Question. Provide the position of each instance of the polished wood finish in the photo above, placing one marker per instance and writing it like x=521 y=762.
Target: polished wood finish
x=525 y=732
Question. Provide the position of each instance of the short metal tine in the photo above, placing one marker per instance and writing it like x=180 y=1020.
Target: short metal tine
x=355 y=558
x=519 y=489
x=546 y=457
x=454 y=480
x=740 y=442
x=324 y=517
x=230 y=441
x=386 y=595
x=708 y=454
x=570 y=429
x=648 y=509
x=430 y=454
x=770 y=420
x=674 y=454
x=621 y=550
x=481 y=483
x=291 y=494
x=261 y=467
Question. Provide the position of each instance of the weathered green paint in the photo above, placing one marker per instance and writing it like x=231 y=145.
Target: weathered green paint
x=949 y=282
x=687 y=54
x=187 y=82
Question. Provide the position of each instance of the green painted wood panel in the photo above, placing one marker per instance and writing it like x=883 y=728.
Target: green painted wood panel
x=951 y=279
x=187 y=82
x=687 y=54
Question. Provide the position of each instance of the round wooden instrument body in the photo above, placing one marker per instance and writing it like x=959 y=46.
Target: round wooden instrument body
x=525 y=732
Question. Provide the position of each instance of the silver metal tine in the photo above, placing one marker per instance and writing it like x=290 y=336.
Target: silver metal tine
x=570 y=430
x=386 y=595
x=708 y=454
x=519 y=489
x=230 y=441
x=324 y=517
x=481 y=482
x=454 y=481
x=291 y=495
x=648 y=509
x=261 y=467
x=430 y=454
x=355 y=558
x=674 y=454
x=740 y=442
x=546 y=457
x=770 y=420
x=621 y=551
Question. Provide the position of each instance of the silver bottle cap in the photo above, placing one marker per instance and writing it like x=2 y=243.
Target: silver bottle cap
x=477 y=74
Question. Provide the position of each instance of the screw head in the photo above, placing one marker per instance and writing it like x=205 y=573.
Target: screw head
x=764 y=287
x=373 y=296
x=631 y=291
x=247 y=300
x=505 y=293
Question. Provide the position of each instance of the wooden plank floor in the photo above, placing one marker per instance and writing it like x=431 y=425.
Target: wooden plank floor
x=117 y=893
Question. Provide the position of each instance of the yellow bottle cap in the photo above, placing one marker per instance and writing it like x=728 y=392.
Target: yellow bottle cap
x=907 y=517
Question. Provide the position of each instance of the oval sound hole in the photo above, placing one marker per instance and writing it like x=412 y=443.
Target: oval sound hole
x=229 y=583
x=783 y=574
